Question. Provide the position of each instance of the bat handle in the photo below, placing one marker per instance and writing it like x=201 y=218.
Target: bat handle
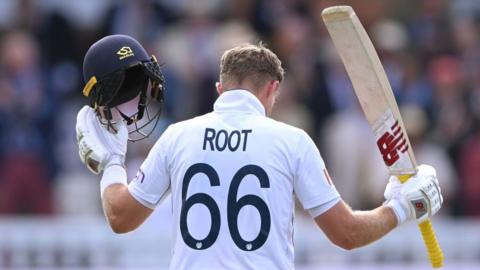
x=435 y=253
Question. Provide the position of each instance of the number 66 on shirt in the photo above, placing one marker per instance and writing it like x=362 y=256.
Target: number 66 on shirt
x=233 y=207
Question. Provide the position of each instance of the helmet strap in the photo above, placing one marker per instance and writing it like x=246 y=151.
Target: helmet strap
x=125 y=117
x=106 y=114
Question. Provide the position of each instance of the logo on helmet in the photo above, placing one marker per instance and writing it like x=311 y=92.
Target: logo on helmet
x=125 y=52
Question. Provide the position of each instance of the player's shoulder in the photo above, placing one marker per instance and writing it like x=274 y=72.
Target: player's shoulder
x=290 y=136
x=285 y=129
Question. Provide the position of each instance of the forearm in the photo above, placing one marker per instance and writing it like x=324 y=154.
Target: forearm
x=369 y=226
x=122 y=211
x=113 y=207
x=352 y=229
x=111 y=203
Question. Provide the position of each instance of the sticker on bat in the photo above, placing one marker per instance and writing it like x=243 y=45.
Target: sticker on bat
x=392 y=142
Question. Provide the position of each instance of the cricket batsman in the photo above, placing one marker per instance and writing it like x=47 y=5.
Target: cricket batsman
x=233 y=173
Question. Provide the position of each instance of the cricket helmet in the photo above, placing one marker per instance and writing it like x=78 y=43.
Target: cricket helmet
x=117 y=70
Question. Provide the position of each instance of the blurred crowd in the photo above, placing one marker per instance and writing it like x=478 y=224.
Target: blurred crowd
x=429 y=48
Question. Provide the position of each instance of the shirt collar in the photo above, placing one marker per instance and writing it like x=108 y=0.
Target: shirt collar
x=238 y=100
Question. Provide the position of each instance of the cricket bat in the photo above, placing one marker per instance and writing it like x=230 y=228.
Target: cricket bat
x=376 y=98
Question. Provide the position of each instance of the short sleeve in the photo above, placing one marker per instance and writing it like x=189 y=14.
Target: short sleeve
x=313 y=185
x=152 y=180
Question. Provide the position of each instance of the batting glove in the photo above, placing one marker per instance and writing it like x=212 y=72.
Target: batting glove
x=419 y=198
x=97 y=147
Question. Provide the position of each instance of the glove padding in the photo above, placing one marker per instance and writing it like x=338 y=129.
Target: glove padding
x=97 y=147
x=419 y=198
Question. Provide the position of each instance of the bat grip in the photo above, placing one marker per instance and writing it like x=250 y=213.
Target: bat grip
x=435 y=253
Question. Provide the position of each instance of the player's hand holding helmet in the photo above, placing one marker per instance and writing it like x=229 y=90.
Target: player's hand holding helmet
x=97 y=147
x=419 y=198
x=118 y=73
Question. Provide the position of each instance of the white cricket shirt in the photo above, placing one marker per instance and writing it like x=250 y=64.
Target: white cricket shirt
x=233 y=174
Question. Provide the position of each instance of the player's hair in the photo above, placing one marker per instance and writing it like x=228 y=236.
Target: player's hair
x=254 y=63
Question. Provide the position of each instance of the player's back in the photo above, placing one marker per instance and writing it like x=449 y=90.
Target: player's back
x=232 y=189
x=233 y=174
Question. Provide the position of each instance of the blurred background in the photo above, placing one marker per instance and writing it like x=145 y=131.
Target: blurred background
x=50 y=215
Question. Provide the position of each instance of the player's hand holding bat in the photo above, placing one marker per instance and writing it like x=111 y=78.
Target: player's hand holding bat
x=419 y=198
x=97 y=147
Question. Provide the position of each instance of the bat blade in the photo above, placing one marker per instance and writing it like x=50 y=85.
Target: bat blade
x=372 y=88
x=376 y=98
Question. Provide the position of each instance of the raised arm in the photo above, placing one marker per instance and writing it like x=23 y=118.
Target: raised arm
x=350 y=229
x=104 y=151
x=419 y=199
x=123 y=212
